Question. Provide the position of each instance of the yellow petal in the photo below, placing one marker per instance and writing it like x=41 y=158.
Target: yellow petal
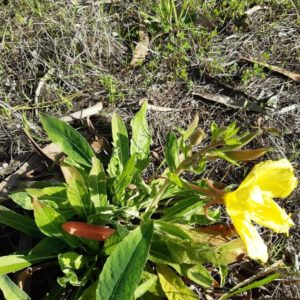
x=276 y=177
x=255 y=245
x=241 y=200
x=271 y=215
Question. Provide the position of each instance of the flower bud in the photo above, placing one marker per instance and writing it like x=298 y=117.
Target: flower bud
x=197 y=137
x=244 y=155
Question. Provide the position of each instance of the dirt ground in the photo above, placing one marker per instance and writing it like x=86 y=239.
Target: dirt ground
x=59 y=57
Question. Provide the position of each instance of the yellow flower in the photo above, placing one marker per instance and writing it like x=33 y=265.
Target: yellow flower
x=252 y=201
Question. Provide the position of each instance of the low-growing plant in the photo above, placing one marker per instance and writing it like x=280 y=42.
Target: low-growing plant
x=115 y=234
x=170 y=15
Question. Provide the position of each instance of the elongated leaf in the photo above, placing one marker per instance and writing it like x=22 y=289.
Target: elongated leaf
x=48 y=246
x=120 y=138
x=77 y=192
x=71 y=141
x=192 y=127
x=168 y=250
x=126 y=177
x=13 y=263
x=172 y=284
x=122 y=270
x=22 y=198
x=58 y=194
x=97 y=184
x=50 y=222
x=90 y=292
x=172 y=151
x=56 y=293
x=141 y=138
x=147 y=281
x=18 y=222
x=183 y=209
x=54 y=196
x=196 y=273
x=172 y=229
x=256 y=284
x=10 y=290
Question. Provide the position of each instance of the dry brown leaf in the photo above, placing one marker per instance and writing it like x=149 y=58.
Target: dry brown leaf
x=287 y=73
x=225 y=100
x=141 y=48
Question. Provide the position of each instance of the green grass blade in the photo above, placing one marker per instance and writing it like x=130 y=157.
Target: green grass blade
x=256 y=284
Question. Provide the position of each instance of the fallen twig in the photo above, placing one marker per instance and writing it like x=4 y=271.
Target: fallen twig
x=228 y=101
x=42 y=82
x=84 y=113
x=158 y=108
x=289 y=74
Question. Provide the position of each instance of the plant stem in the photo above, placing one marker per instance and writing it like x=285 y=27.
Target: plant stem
x=181 y=168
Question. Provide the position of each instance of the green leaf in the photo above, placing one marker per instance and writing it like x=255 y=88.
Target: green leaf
x=70 y=277
x=120 y=139
x=21 y=198
x=223 y=155
x=48 y=246
x=97 y=184
x=141 y=137
x=71 y=141
x=183 y=209
x=122 y=271
x=90 y=292
x=197 y=274
x=13 y=263
x=223 y=271
x=77 y=191
x=54 y=196
x=147 y=281
x=56 y=293
x=215 y=131
x=165 y=249
x=172 y=151
x=172 y=284
x=111 y=243
x=50 y=222
x=18 y=222
x=192 y=127
x=126 y=177
x=71 y=260
x=10 y=290
x=256 y=284
x=171 y=229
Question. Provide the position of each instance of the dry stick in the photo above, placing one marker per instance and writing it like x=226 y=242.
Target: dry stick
x=84 y=113
x=160 y=108
x=266 y=271
x=33 y=162
x=42 y=82
x=289 y=74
